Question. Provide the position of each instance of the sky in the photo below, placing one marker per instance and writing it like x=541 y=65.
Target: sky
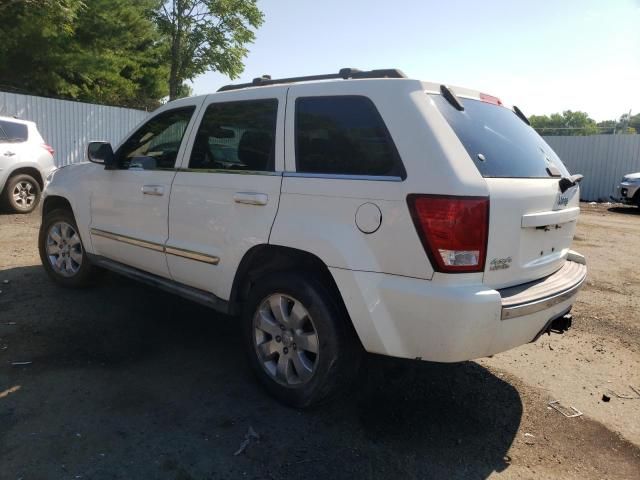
x=544 y=56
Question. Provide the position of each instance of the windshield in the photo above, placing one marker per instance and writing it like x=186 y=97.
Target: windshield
x=500 y=144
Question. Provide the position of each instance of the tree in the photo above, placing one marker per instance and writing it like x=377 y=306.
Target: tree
x=108 y=51
x=67 y=6
x=207 y=35
x=626 y=124
x=567 y=123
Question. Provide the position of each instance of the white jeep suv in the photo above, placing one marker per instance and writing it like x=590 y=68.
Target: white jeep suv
x=25 y=162
x=332 y=213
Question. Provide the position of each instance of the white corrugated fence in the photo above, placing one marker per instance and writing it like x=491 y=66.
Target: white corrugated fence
x=602 y=159
x=68 y=126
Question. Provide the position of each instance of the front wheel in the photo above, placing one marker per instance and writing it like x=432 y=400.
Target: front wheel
x=62 y=253
x=300 y=343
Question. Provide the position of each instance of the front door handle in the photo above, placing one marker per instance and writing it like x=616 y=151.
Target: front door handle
x=251 y=198
x=157 y=190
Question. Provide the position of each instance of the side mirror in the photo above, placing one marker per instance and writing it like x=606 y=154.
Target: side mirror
x=102 y=153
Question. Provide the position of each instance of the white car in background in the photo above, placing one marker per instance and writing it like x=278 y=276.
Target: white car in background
x=329 y=214
x=25 y=162
x=628 y=190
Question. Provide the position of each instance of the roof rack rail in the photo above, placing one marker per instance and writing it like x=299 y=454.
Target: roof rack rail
x=344 y=73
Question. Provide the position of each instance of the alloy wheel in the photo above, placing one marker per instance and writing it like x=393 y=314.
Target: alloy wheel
x=64 y=249
x=285 y=340
x=24 y=194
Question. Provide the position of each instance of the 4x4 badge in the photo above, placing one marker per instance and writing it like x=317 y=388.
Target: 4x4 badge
x=500 y=263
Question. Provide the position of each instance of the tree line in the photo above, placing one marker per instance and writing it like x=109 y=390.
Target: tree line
x=579 y=123
x=119 y=52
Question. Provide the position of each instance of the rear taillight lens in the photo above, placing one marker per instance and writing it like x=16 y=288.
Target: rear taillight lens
x=48 y=148
x=453 y=230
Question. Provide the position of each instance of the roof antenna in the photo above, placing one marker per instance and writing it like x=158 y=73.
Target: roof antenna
x=451 y=97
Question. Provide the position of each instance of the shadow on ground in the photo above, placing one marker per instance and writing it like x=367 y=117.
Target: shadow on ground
x=130 y=382
x=631 y=210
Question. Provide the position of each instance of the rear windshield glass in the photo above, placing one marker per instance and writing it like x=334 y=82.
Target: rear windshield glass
x=13 y=132
x=500 y=144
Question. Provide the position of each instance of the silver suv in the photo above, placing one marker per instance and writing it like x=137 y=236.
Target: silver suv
x=628 y=190
x=25 y=162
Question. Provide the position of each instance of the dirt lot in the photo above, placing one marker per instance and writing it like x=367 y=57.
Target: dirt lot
x=129 y=382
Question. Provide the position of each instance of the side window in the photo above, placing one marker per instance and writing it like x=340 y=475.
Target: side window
x=13 y=132
x=155 y=145
x=237 y=136
x=343 y=135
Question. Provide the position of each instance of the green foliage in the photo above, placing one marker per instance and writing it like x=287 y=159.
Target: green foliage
x=207 y=35
x=107 y=51
x=567 y=123
x=121 y=52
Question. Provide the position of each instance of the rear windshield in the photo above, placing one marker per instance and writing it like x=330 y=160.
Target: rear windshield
x=500 y=144
x=13 y=132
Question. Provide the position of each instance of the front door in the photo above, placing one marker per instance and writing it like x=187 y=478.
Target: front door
x=224 y=199
x=129 y=206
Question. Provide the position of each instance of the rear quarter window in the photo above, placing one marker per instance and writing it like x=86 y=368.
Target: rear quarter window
x=344 y=135
x=498 y=142
x=13 y=132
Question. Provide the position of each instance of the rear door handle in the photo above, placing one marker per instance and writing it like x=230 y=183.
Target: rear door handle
x=9 y=154
x=251 y=198
x=157 y=190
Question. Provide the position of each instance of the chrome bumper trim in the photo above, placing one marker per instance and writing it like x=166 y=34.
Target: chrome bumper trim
x=537 y=296
x=539 y=305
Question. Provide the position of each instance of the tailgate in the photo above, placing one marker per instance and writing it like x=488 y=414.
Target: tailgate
x=531 y=228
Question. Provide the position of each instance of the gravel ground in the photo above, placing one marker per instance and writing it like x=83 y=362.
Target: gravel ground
x=128 y=382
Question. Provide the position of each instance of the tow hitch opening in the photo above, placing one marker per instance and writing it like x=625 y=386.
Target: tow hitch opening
x=560 y=324
x=556 y=325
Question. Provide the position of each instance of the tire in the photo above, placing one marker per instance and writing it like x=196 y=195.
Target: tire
x=310 y=378
x=61 y=251
x=22 y=193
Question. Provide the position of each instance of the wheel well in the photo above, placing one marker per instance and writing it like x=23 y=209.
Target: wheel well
x=29 y=171
x=55 y=203
x=264 y=259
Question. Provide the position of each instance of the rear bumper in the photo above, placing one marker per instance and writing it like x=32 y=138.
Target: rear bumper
x=414 y=318
x=543 y=294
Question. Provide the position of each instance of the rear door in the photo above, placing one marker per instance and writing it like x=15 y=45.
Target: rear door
x=225 y=197
x=532 y=223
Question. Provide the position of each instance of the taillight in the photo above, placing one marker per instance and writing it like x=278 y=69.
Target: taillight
x=453 y=230
x=48 y=148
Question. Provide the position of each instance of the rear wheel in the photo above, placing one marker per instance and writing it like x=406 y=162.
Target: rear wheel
x=22 y=193
x=298 y=339
x=62 y=253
